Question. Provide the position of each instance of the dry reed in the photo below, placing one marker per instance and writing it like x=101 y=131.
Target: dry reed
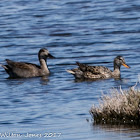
x=120 y=106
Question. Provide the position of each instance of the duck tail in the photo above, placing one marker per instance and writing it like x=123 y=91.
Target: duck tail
x=71 y=71
x=4 y=66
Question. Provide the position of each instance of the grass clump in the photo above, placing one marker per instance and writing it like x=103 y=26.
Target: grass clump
x=119 y=107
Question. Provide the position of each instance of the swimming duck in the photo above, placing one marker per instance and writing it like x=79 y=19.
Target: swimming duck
x=98 y=72
x=25 y=70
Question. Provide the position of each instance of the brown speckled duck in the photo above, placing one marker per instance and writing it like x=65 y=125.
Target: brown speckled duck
x=25 y=70
x=98 y=72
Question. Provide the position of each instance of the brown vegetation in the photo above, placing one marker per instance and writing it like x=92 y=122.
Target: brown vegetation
x=119 y=107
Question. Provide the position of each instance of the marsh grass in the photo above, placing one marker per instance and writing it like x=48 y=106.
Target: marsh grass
x=118 y=107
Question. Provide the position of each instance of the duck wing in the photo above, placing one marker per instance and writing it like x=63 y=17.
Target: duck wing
x=21 y=65
x=21 y=69
x=96 y=70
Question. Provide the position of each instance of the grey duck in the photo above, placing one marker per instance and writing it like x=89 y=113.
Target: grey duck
x=25 y=70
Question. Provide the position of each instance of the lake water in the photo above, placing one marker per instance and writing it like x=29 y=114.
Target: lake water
x=88 y=31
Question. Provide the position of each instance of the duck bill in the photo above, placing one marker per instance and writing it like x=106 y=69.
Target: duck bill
x=50 y=56
x=125 y=65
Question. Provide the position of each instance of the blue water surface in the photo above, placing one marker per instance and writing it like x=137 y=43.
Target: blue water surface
x=88 y=31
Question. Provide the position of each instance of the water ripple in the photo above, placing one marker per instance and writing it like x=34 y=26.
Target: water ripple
x=92 y=32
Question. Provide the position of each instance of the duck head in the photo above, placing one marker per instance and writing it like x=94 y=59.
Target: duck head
x=44 y=54
x=118 y=61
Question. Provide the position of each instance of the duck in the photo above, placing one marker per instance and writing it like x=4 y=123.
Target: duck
x=85 y=71
x=26 y=70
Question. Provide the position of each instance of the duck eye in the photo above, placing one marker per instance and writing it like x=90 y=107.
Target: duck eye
x=121 y=59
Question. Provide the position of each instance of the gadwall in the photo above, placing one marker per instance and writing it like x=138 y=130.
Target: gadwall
x=25 y=70
x=98 y=72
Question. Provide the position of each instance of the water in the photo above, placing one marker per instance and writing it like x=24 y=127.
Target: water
x=90 y=31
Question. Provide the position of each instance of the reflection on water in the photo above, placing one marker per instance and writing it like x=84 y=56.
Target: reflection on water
x=91 y=32
x=122 y=131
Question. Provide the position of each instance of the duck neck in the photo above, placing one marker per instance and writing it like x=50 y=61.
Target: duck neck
x=116 y=71
x=43 y=65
